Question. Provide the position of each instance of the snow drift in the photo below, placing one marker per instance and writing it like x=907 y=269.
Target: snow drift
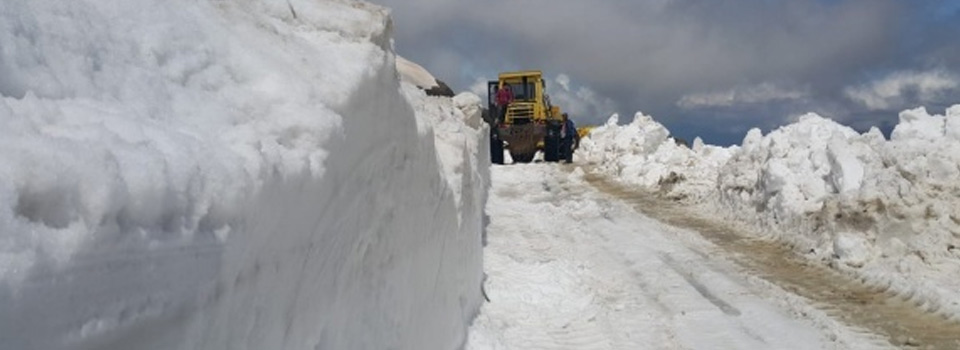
x=642 y=153
x=229 y=175
x=885 y=211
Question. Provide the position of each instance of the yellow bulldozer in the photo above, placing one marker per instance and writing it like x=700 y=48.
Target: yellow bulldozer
x=531 y=122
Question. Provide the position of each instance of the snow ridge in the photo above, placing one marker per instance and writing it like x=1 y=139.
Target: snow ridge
x=882 y=210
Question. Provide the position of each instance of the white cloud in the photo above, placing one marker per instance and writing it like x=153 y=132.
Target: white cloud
x=892 y=90
x=582 y=103
x=564 y=81
x=749 y=95
x=479 y=87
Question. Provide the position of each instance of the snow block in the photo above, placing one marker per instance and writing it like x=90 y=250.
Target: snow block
x=852 y=249
x=239 y=175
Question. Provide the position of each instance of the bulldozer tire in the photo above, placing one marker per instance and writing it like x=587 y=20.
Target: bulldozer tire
x=496 y=147
x=551 y=148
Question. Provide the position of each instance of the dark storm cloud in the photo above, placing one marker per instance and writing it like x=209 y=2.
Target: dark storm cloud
x=712 y=68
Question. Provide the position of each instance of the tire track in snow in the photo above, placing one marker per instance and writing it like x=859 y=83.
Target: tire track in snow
x=850 y=301
x=551 y=286
x=702 y=289
x=571 y=268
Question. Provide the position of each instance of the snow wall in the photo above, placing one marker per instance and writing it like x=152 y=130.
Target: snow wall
x=229 y=175
x=885 y=211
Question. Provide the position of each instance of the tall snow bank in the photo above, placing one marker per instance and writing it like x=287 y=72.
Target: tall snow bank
x=211 y=175
x=796 y=168
x=884 y=209
x=643 y=154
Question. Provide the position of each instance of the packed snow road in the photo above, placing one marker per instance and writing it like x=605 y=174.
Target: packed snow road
x=573 y=265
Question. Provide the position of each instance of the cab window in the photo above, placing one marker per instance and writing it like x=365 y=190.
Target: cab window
x=519 y=93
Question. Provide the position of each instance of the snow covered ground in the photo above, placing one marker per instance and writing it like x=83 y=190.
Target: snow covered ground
x=570 y=267
x=229 y=175
x=882 y=211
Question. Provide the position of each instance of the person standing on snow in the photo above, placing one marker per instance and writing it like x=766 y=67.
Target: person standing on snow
x=568 y=135
x=504 y=97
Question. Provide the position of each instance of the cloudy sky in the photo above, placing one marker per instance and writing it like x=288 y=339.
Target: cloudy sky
x=708 y=68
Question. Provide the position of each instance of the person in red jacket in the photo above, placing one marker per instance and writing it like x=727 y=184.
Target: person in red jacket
x=504 y=97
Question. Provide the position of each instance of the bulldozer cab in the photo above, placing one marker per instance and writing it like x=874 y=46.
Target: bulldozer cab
x=521 y=92
x=530 y=101
x=526 y=92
